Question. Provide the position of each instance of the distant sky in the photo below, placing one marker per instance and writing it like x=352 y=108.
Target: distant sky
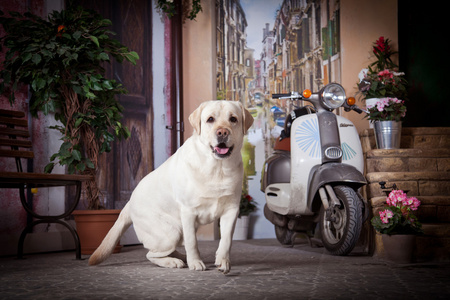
x=258 y=13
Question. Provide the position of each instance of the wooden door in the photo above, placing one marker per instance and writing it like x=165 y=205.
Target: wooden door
x=131 y=159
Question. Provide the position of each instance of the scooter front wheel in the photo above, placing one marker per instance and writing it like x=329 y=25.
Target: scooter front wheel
x=341 y=226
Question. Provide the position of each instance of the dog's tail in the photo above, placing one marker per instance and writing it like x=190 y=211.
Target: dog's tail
x=112 y=238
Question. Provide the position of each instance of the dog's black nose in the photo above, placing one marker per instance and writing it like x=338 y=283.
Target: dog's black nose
x=222 y=132
x=222 y=135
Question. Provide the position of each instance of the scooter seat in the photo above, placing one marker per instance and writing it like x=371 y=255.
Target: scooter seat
x=283 y=144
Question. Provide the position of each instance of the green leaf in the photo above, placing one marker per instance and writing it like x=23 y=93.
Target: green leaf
x=95 y=40
x=36 y=59
x=49 y=168
x=40 y=83
x=76 y=155
x=81 y=167
x=26 y=57
x=103 y=56
x=89 y=163
x=78 y=122
x=107 y=85
x=71 y=169
x=97 y=87
x=76 y=35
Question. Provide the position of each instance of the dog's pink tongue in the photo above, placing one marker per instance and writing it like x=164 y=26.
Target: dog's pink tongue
x=221 y=150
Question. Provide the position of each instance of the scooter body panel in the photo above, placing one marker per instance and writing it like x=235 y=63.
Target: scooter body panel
x=307 y=173
x=350 y=144
x=305 y=154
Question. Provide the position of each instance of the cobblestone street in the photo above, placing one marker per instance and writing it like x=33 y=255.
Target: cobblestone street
x=261 y=269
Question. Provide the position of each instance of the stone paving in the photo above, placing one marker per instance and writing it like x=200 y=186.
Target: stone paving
x=261 y=269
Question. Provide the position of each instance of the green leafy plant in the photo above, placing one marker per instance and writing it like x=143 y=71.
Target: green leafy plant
x=62 y=60
x=398 y=217
x=247 y=205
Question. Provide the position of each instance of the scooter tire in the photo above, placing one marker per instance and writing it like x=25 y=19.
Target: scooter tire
x=340 y=237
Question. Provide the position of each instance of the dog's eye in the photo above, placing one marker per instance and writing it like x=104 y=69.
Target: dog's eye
x=210 y=120
x=233 y=119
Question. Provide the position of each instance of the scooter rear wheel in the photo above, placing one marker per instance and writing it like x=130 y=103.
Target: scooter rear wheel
x=341 y=229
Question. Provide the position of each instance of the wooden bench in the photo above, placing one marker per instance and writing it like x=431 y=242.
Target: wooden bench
x=15 y=144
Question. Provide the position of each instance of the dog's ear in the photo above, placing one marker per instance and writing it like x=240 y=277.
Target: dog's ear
x=247 y=118
x=195 y=118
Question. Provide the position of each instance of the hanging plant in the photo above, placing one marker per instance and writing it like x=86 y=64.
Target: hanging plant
x=189 y=9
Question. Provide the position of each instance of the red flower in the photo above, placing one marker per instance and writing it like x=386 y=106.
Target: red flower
x=61 y=28
x=382 y=46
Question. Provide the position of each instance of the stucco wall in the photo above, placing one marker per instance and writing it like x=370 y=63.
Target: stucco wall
x=199 y=61
x=362 y=23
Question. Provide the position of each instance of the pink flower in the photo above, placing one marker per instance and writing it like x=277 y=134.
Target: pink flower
x=385 y=215
x=385 y=74
x=396 y=198
x=415 y=203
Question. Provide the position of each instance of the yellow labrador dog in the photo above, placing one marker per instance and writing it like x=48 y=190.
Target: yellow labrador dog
x=200 y=183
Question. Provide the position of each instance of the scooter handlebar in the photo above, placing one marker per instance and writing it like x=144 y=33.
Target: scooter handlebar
x=277 y=96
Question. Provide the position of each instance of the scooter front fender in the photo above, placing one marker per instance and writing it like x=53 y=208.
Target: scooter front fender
x=334 y=173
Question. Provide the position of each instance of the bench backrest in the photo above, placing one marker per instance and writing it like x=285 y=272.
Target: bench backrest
x=14 y=136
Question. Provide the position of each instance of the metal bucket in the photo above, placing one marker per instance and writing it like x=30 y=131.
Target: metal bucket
x=388 y=134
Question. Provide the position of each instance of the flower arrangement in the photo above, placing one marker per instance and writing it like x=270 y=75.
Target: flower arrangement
x=386 y=109
x=188 y=11
x=382 y=78
x=397 y=217
x=247 y=205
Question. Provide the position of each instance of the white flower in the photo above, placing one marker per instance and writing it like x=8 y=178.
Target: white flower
x=362 y=74
x=398 y=73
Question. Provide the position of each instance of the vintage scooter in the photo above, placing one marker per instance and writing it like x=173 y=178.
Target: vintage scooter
x=315 y=172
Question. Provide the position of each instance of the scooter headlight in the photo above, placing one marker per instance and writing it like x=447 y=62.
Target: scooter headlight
x=333 y=96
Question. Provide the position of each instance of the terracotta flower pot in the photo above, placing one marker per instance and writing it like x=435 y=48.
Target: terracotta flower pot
x=92 y=227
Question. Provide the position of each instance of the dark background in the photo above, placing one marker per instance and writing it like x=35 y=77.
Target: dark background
x=423 y=56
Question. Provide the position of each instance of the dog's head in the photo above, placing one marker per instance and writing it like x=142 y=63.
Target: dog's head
x=221 y=125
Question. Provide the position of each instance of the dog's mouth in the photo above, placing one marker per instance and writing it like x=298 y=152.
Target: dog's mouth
x=221 y=150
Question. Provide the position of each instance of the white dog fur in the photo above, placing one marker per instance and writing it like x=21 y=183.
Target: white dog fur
x=200 y=183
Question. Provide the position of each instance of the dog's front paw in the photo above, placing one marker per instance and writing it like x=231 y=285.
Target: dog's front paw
x=223 y=265
x=196 y=265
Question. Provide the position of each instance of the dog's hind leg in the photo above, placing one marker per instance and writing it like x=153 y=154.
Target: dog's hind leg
x=166 y=262
x=172 y=260
x=161 y=246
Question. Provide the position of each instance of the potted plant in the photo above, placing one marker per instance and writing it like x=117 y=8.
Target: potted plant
x=246 y=206
x=387 y=114
x=398 y=225
x=382 y=78
x=62 y=60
